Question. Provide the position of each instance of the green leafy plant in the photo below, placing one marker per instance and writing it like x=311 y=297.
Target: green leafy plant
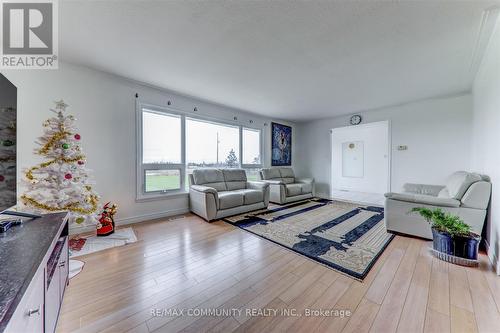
x=445 y=222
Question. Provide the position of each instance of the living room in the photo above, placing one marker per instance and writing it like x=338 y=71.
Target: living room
x=216 y=197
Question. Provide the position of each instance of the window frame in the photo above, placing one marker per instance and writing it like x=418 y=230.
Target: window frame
x=141 y=194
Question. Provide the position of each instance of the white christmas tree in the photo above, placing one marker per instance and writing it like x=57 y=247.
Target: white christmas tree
x=61 y=182
x=7 y=157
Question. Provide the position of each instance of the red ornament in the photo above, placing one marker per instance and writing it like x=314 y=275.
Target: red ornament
x=77 y=136
x=81 y=162
x=2 y=178
x=68 y=176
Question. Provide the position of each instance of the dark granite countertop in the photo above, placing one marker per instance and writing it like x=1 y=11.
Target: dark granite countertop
x=22 y=250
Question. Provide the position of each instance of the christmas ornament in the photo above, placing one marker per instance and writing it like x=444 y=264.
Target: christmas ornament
x=77 y=136
x=81 y=163
x=45 y=190
x=2 y=178
x=106 y=225
x=7 y=143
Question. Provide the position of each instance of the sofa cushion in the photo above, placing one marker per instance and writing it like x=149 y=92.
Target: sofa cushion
x=236 y=179
x=210 y=177
x=270 y=173
x=293 y=189
x=444 y=193
x=459 y=182
x=286 y=173
x=231 y=186
x=423 y=199
x=251 y=196
x=306 y=188
x=230 y=199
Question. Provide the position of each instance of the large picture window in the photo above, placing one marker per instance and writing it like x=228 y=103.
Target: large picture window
x=172 y=145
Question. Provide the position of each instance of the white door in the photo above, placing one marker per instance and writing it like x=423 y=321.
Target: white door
x=360 y=158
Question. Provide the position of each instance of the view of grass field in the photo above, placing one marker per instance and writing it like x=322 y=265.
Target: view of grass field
x=162 y=180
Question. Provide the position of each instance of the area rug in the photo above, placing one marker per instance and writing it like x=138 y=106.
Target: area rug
x=345 y=236
x=87 y=245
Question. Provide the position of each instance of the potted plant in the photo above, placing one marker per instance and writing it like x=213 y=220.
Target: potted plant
x=451 y=235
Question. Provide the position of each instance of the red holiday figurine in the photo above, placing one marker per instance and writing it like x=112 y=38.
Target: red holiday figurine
x=106 y=225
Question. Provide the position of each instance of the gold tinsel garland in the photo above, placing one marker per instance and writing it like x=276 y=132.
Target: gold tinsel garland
x=58 y=136
x=29 y=173
x=73 y=207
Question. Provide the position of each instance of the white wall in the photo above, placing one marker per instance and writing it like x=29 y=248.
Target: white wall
x=486 y=135
x=104 y=106
x=436 y=131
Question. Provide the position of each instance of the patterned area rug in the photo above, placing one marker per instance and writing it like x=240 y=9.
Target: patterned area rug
x=345 y=236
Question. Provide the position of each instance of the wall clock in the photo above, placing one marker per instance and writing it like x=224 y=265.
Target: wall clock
x=355 y=120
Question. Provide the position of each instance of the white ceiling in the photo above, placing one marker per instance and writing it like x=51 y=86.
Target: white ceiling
x=296 y=60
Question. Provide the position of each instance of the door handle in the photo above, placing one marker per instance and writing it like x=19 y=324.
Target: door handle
x=32 y=312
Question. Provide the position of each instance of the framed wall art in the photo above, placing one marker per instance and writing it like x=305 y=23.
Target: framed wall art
x=281 y=145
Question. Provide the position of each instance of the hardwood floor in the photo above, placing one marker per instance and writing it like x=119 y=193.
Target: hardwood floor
x=187 y=263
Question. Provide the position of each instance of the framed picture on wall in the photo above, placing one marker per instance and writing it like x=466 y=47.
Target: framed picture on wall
x=281 y=145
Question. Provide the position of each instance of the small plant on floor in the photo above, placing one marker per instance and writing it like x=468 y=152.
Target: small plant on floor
x=452 y=238
x=445 y=222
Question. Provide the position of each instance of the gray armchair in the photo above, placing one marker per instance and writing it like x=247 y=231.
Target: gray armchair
x=284 y=187
x=217 y=193
x=465 y=194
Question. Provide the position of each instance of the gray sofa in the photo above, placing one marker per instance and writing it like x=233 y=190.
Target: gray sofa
x=217 y=193
x=285 y=187
x=465 y=194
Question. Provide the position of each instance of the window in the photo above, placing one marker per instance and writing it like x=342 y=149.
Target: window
x=161 y=135
x=210 y=144
x=251 y=147
x=172 y=145
x=161 y=167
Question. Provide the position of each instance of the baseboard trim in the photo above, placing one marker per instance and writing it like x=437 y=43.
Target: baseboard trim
x=152 y=216
x=133 y=219
x=494 y=260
